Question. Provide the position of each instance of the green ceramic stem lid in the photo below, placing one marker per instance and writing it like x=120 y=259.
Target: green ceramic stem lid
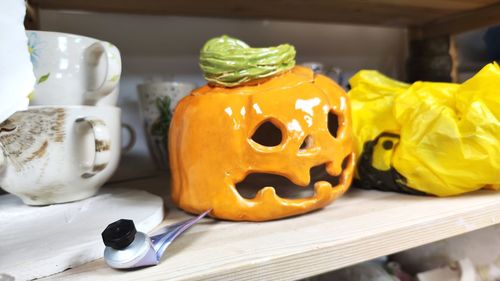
x=230 y=62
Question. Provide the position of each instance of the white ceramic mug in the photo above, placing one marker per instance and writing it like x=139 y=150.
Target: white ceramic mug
x=56 y=154
x=73 y=70
x=157 y=101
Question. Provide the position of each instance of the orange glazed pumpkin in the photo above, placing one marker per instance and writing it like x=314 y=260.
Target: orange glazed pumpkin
x=287 y=125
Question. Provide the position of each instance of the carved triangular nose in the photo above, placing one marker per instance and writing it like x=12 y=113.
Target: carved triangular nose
x=308 y=143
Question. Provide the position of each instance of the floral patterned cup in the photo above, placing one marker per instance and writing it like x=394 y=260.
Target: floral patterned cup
x=73 y=70
x=157 y=101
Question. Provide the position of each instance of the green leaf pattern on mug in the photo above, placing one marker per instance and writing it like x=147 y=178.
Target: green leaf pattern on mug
x=43 y=78
x=115 y=78
x=39 y=81
x=160 y=126
x=112 y=52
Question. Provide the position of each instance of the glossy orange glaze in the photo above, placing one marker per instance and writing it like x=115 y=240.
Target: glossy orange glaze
x=211 y=147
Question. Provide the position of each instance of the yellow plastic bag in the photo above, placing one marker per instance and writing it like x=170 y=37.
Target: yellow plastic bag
x=427 y=138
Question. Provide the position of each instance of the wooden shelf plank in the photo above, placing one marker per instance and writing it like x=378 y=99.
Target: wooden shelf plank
x=360 y=226
x=456 y=23
x=399 y=13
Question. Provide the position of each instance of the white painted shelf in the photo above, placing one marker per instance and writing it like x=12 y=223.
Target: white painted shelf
x=37 y=241
x=360 y=226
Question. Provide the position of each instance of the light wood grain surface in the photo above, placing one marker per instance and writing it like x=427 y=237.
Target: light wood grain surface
x=360 y=226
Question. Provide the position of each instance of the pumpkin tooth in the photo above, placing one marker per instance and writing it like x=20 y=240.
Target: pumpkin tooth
x=301 y=178
x=266 y=193
x=333 y=170
x=303 y=183
x=322 y=188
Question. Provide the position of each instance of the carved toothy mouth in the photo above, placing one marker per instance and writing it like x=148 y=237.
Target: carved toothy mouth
x=285 y=188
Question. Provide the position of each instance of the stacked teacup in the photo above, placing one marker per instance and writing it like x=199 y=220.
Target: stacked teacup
x=67 y=144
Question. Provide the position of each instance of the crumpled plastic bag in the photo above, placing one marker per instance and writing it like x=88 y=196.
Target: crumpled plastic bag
x=428 y=137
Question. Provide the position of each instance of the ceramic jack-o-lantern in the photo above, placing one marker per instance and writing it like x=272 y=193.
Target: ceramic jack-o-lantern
x=228 y=138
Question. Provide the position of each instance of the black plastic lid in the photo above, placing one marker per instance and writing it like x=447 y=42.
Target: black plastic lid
x=119 y=234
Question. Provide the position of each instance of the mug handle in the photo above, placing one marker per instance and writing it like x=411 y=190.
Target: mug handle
x=113 y=68
x=102 y=139
x=132 y=138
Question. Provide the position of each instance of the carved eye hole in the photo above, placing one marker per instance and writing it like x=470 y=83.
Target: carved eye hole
x=333 y=123
x=267 y=134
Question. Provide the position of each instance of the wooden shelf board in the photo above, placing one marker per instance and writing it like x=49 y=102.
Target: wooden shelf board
x=451 y=15
x=456 y=23
x=360 y=226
